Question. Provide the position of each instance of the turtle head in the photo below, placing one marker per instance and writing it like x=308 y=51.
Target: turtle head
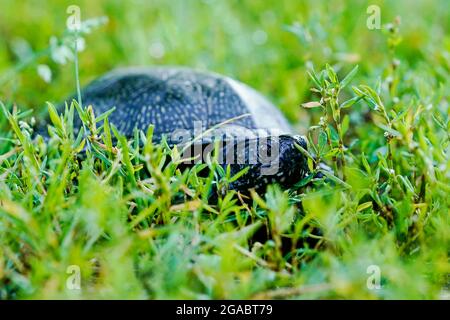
x=285 y=164
x=278 y=160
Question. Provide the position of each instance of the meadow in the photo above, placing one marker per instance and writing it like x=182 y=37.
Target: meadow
x=118 y=222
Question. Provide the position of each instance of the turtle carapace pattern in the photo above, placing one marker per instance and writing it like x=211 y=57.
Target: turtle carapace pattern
x=173 y=98
x=182 y=102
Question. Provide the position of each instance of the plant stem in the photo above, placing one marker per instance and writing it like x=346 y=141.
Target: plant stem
x=77 y=76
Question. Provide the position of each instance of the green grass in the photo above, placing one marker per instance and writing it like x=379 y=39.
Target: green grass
x=384 y=131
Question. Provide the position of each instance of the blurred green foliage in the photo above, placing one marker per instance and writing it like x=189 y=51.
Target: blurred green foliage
x=134 y=237
x=247 y=40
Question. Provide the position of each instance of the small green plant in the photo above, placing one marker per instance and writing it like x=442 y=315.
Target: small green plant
x=331 y=127
x=136 y=225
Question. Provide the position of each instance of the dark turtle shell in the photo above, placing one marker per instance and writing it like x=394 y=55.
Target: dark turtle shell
x=178 y=99
x=183 y=104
